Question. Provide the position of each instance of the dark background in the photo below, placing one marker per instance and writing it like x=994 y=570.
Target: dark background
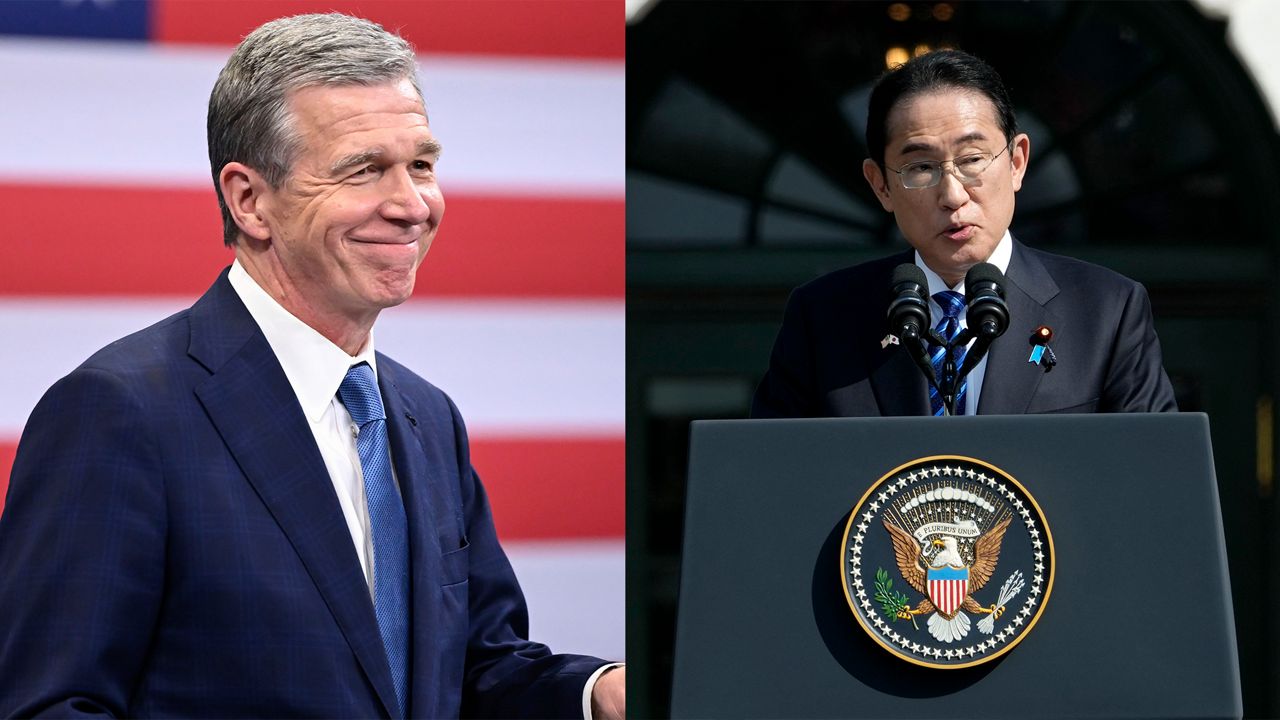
x=1152 y=153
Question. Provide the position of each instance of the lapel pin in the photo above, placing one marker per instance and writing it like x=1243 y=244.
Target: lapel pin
x=1041 y=353
x=888 y=340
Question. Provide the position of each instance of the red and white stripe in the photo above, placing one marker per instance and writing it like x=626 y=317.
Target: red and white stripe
x=110 y=223
x=948 y=595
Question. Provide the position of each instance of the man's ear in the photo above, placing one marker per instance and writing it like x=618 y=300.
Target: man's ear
x=875 y=178
x=248 y=197
x=1019 y=156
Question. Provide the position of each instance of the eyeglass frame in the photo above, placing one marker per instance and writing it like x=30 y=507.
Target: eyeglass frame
x=954 y=173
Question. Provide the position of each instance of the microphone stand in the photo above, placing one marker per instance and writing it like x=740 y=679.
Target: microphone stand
x=911 y=340
x=947 y=388
x=950 y=376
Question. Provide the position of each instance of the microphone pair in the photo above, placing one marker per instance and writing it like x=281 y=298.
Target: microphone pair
x=987 y=314
x=986 y=317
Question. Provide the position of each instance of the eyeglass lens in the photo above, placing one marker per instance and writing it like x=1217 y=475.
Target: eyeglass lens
x=929 y=173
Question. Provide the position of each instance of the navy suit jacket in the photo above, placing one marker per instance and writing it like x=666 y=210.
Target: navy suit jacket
x=172 y=545
x=828 y=360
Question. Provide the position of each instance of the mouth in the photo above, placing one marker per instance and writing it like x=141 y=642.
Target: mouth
x=385 y=245
x=959 y=232
x=389 y=252
x=406 y=240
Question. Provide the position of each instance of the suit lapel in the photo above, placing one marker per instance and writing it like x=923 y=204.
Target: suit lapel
x=1010 y=381
x=899 y=386
x=247 y=392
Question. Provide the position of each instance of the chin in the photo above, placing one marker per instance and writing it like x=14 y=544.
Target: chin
x=974 y=253
x=393 y=298
x=392 y=287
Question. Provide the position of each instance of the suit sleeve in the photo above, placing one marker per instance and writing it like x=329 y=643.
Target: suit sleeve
x=82 y=543
x=1136 y=380
x=787 y=389
x=507 y=675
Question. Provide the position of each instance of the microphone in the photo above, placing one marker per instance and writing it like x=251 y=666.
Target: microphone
x=984 y=290
x=909 y=314
x=909 y=304
x=988 y=315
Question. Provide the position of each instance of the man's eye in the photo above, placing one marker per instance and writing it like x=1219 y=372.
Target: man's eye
x=922 y=167
x=366 y=170
x=970 y=160
x=422 y=165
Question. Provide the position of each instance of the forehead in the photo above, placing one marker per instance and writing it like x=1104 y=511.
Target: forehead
x=941 y=118
x=333 y=117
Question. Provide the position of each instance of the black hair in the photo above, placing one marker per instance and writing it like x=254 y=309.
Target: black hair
x=938 y=70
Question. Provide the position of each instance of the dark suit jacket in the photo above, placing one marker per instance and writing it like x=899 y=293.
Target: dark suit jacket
x=172 y=545
x=828 y=360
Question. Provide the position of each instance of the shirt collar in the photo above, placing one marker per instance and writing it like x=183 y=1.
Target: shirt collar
x=999 y=257
x=314 y=366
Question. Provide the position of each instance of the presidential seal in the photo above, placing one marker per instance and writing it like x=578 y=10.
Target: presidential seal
x=947 y=562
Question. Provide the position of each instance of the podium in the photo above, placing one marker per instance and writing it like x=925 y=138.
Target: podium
x=1138 y=622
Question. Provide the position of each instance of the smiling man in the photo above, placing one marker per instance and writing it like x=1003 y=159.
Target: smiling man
x=247 y=511
x=946 y=158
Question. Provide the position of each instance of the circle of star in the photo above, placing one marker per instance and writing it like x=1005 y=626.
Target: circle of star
x=1017 y=615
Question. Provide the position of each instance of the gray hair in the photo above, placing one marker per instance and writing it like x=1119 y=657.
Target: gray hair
x=249 y=118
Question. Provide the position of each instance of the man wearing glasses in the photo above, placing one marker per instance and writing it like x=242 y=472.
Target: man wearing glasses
x=947 y=160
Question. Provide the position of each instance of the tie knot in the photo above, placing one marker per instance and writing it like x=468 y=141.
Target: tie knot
x=359 y=393
x=951 y=302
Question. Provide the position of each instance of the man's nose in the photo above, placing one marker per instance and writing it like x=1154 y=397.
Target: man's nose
x=951 y=192
x=404 y=200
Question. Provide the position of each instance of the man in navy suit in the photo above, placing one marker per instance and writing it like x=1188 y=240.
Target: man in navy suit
x=947 y=160
x=245 y=510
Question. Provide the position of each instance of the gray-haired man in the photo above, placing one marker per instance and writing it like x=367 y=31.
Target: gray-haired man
x=244 y=510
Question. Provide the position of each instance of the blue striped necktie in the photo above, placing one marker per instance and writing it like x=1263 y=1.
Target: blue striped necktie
x=359 y=393
x=952 y=304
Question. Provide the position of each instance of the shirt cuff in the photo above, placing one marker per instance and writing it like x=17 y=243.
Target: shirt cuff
x=591 y=685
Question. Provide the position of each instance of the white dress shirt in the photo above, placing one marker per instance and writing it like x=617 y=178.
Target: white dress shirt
x=315 y=368
x=1000 y=258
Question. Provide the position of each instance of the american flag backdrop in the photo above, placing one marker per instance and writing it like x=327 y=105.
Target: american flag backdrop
x=109 y=222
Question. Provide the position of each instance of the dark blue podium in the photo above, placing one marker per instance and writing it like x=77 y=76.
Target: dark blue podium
x=1139 y=623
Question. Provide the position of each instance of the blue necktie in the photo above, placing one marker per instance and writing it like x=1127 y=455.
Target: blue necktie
x=952 y=304
x=359 y=393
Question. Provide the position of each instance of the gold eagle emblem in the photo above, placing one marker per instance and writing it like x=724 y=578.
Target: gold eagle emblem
x=914 y=563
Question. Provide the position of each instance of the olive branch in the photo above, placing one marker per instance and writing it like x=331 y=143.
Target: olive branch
x=890 y=601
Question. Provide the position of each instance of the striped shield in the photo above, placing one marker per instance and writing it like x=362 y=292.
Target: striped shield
x=948 y=587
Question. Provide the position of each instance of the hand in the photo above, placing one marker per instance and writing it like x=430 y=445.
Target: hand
x=609 y=696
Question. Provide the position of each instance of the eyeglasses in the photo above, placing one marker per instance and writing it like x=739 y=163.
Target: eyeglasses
x=928 y=173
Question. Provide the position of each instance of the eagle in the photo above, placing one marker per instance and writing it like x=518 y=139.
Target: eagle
x=914 y=566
